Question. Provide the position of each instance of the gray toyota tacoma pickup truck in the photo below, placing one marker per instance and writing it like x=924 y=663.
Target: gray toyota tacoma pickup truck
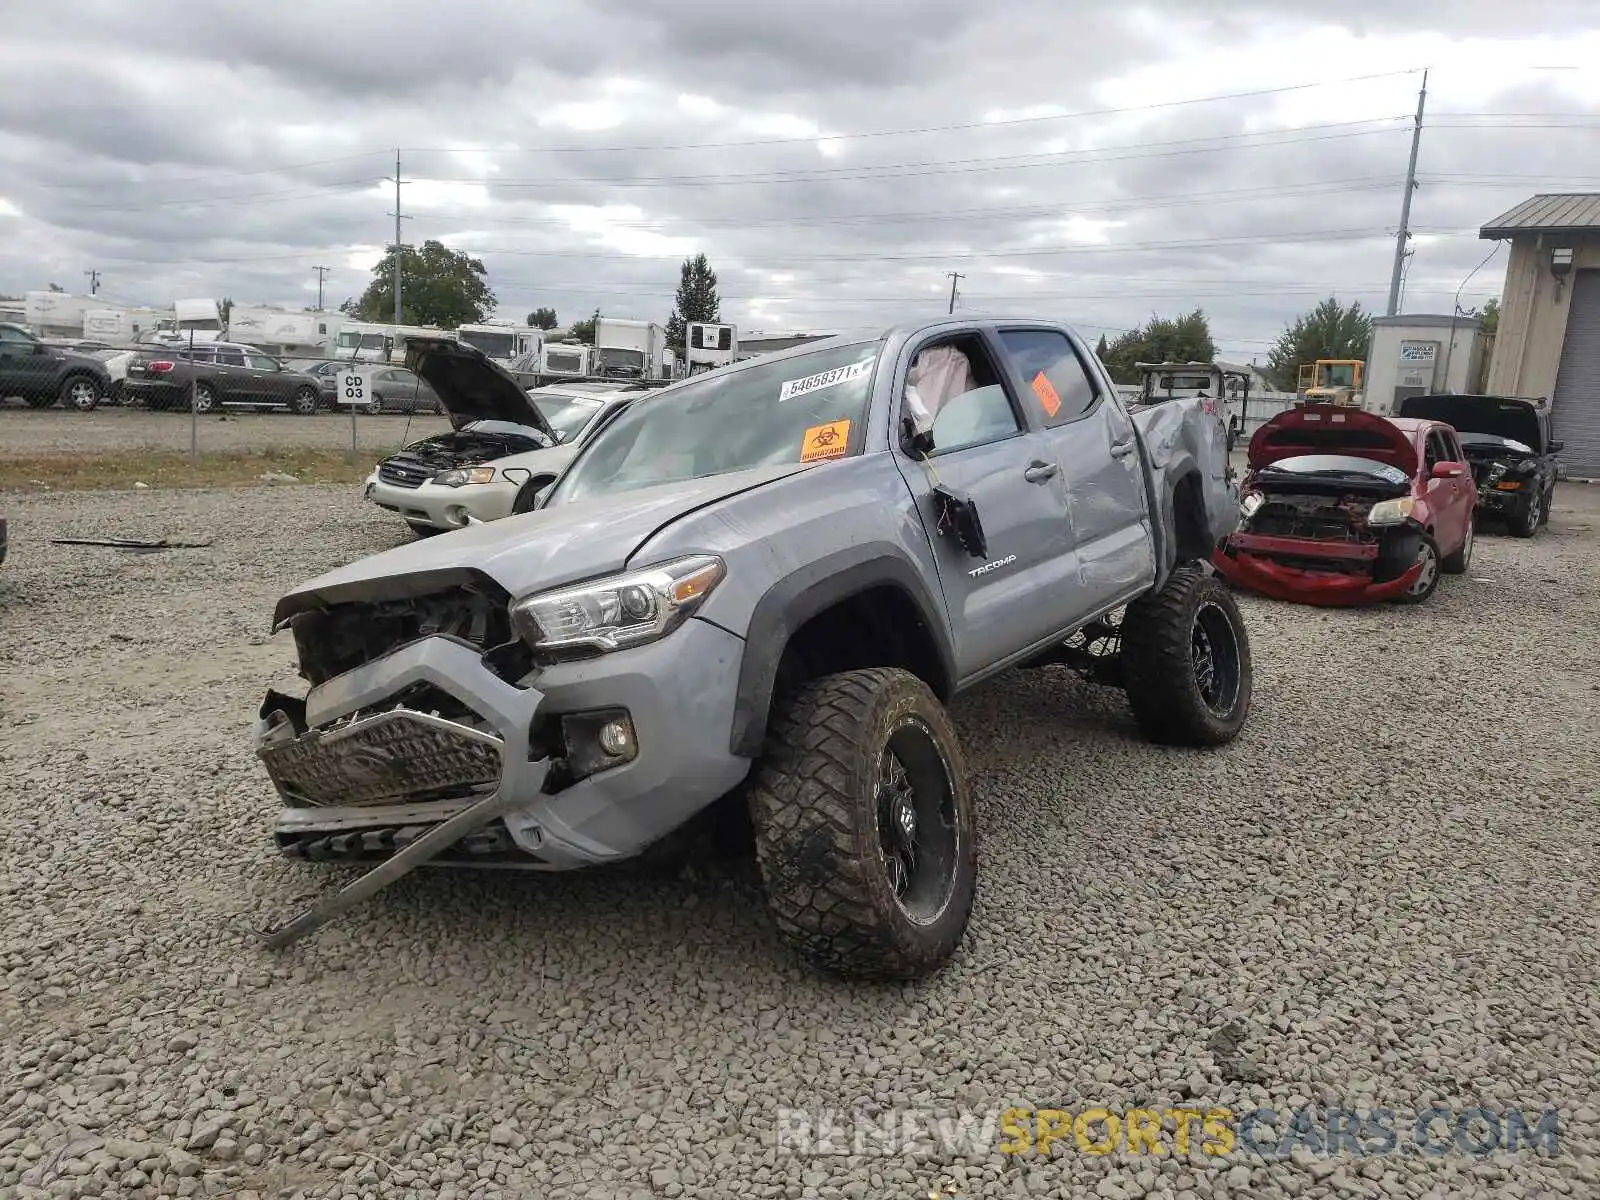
x=761 y=586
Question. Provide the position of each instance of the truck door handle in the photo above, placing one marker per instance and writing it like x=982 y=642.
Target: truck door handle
x=1039 y=472
x=1122 y=449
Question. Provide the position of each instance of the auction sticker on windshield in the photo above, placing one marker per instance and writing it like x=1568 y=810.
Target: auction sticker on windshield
x=1048 y=396
x=825 y=441
x=822 y=379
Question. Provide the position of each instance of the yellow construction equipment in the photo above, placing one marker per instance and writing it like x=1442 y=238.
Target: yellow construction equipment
x=1331 y=381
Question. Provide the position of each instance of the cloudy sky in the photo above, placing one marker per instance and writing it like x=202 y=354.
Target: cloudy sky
x=835 y=158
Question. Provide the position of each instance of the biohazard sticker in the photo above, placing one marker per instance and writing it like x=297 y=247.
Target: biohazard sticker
x=825 y=441
x=822 y=379
x=1048 y=396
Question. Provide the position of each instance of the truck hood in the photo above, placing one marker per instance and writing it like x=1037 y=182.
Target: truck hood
x=1500 y=416
x=547 y=548
x=471 y=385
x=1332 y=429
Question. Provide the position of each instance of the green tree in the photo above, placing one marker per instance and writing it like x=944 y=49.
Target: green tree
x=1330 y=330
x=697 y=300
x=543 y=318
x=438 y=286
x=56 y=287
x=1100 y=348
x=225 y=309
x=1160 y=339
x=1489 y=315
x=583 y=331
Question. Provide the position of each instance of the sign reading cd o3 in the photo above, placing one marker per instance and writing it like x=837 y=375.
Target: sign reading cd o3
x=353 y=389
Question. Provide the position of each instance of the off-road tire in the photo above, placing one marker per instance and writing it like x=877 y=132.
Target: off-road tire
x=80 y=393
x=204 y=399
x=307 y=401
x=423 y=531
x=1159 y=672
x=1457 y=563
x=1432 y=585
x=814 y=804
x=1528 y=517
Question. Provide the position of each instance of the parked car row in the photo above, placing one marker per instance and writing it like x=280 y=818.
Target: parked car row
x=1343 y=507
x=43 y=374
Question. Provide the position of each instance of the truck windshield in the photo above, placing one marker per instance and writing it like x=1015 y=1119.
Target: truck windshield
x=613 y=356
x=495 y=345
x=803 y=409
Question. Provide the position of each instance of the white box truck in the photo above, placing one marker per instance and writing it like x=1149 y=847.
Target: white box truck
x=629 y=349
x=572 y=360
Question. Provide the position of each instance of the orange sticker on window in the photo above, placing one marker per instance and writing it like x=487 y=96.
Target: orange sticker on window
x=825 y=441
x=1048 y=396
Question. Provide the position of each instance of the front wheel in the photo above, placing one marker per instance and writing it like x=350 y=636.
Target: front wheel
x=375 y=405
x=80 y=393
x=306 y=402
x=1186 y=661
x=1428 y=557
x=1528 y=517
x=205 y=398
x=864 y=825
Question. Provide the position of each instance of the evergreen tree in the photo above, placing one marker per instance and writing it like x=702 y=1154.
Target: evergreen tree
x=697 y=300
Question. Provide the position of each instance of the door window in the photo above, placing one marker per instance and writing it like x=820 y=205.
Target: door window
x=228 y=356
x=263 y=363
x=15 y=340
x=1437 y=452
x=957 y=383
x=1060 y=386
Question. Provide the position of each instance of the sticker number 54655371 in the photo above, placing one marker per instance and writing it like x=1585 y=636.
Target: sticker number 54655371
x=822 y=379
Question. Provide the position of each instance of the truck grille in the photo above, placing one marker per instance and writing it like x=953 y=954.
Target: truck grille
x=384 y=759
x=403 y=473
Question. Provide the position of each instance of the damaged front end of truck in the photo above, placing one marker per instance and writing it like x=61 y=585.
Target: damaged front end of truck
x=1327 y=511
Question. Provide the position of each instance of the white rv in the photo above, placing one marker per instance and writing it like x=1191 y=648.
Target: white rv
x=368 y=341
x=284 y=332
x=710 y=345
x=502 y=342
x=573 y=360
x=123 y=326
x=629 y=349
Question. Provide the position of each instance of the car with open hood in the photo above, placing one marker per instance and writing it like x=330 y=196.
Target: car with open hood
x=1509 y=448
x=505 y=442
x=1343 y=507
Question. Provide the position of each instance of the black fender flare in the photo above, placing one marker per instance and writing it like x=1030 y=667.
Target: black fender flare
x=797 y=597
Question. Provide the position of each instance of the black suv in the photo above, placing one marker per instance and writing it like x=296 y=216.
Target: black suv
x=42 y=374
x=1508 y=445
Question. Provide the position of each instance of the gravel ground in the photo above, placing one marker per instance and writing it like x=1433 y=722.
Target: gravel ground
x=1382 y=894
x=41 y=431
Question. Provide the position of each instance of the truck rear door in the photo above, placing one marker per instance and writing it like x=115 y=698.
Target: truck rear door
x=1093 y=440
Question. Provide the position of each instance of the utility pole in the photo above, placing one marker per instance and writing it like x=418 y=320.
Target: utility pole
x=397 y=244
x=322 y=273
x=954 y=275
x=1404 y=235
x=94 y=282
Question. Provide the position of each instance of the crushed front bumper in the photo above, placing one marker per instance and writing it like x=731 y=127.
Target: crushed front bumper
x=1253 y=561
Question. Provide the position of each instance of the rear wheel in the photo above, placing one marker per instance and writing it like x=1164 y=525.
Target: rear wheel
x=1186 y=661
x=375 y=405
x=205 y=398
x=1457 y=563
x=1428 y=556
x=864 y=825
x=80 y=392
x=306 y=402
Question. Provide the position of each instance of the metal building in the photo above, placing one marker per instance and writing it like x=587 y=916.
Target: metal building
x=1549 y=338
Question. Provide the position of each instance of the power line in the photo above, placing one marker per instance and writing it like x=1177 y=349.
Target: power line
x=94 y=282
x=398 y=216
x=954 y=276
x=322 y=274
x=1404 y=234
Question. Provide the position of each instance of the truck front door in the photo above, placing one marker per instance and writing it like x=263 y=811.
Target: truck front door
x=27 y=368
x=1019 y=591
x=1093 y=440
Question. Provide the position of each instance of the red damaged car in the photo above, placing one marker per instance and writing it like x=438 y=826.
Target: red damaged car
x=1342 y=507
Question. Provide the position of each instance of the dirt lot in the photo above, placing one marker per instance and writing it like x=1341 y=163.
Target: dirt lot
x=1382 y=896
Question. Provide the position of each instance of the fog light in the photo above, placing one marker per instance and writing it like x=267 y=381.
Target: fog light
x=456 y=515
x=616 y=738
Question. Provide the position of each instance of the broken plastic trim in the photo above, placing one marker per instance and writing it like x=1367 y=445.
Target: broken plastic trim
x=438 y=839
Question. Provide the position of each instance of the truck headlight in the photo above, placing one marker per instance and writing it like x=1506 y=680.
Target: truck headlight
x=1250 y=502
x=462 y=476
x=1392 y=512
x=625 y=610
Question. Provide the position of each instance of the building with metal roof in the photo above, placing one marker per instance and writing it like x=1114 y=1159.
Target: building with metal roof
x=1548 y=343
